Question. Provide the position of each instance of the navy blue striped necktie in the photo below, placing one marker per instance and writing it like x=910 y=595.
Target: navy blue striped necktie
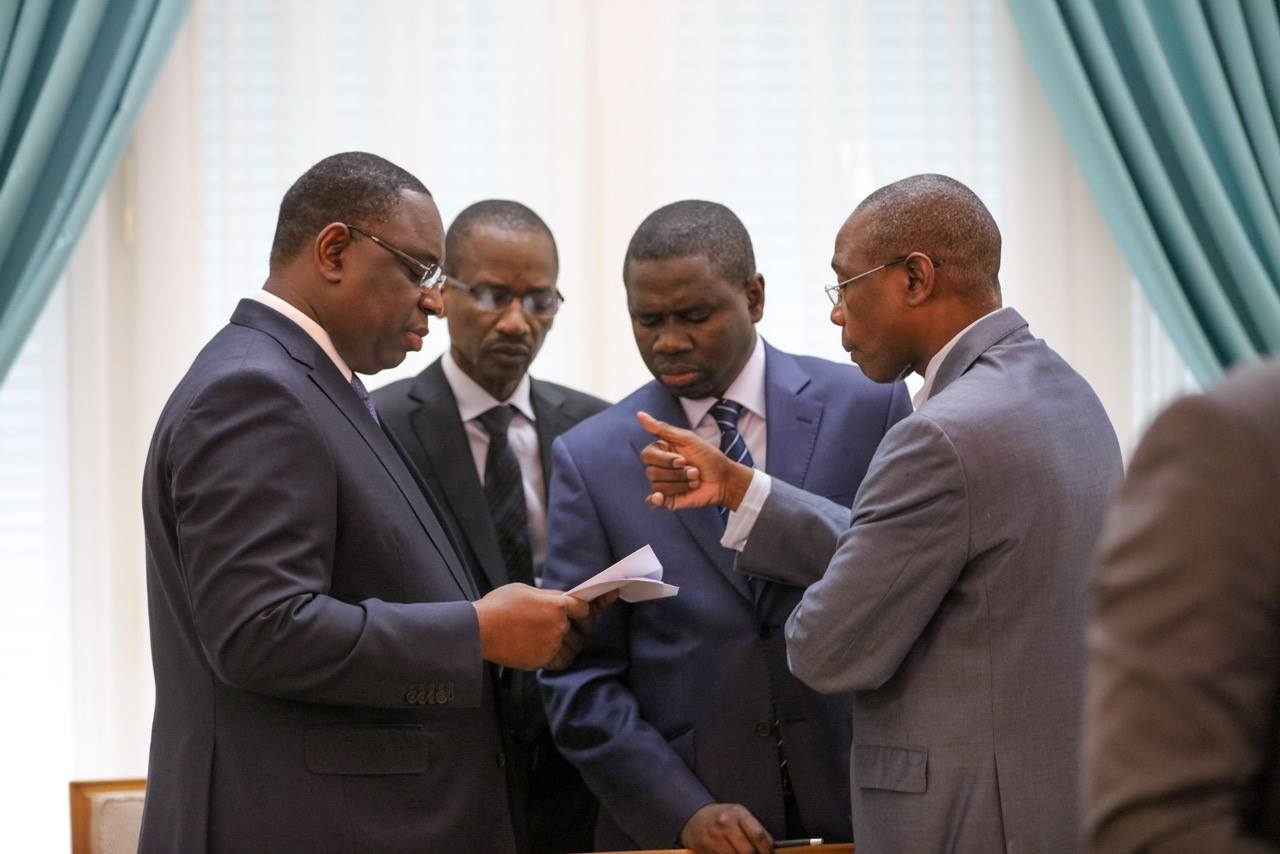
x=732 y=445
x=504 y=493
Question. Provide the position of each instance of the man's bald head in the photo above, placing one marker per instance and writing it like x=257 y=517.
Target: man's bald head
x=940 y=217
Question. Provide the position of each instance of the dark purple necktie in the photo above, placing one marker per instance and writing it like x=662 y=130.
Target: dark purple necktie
x=363 y=394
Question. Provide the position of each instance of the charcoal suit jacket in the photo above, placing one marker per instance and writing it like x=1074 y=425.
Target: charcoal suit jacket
x=555 y=811
x=319 y=682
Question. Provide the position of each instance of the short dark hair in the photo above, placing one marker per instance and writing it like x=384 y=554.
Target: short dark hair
x=353 y=187
x=501 y=213
x=695 y=227
x=941 y=217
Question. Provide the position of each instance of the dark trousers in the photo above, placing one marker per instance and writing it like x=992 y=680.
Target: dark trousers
x=553 y=810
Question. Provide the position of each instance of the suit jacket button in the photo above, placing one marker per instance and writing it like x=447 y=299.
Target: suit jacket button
x=764 y=729
x=502 y=759
x=766 y=632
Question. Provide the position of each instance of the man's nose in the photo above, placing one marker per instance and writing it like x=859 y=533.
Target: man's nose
x=672 y=340
x=837 y=313
x=431 y=301
x=512 y=319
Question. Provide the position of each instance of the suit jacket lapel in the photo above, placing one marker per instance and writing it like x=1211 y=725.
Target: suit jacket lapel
x=704 y=524
x=326 y=376
x=330 y=381
x=445 y=452
x=551 y=421
x=989 y=331
x=792 y=419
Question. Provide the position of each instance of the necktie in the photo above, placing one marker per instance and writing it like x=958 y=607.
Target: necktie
x=363 y=394
x=732 y=445
x=504 y=492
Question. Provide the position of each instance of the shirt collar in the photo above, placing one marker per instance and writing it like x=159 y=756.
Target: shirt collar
x=309 y=326
x=931 y=370
x=474 y=401
x=747 y=388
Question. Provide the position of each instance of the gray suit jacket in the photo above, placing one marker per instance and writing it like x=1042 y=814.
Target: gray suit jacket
x=1182 y=727
x=954 y=604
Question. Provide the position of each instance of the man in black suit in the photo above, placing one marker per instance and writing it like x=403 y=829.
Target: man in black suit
x=318 y=644
x=501 y=298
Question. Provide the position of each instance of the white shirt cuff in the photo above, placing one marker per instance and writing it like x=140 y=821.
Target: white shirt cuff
x=742 y=520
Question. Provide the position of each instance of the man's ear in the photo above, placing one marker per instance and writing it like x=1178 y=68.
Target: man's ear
x=328 y=248
x=754 y=289
x=920 y=278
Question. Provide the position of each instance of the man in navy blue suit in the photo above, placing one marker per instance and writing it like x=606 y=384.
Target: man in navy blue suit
x=681 y=713
x=319 y=648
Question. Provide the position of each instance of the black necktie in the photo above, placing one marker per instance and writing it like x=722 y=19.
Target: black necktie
x=732 y=445
x=504 y=491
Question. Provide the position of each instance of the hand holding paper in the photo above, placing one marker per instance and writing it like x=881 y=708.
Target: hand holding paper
x=637 y=578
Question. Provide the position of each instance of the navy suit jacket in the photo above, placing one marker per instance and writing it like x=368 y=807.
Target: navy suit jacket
x=669 y=706
x=319 y=683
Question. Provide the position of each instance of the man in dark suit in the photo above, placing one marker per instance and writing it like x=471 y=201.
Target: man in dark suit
x=1182 y=724
x=317 y=642
x=500 y=298
x=680 y=712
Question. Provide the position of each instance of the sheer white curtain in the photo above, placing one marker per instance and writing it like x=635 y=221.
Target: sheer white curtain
x=592 y=113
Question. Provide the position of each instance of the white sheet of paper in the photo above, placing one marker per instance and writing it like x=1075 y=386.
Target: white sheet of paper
x=638 y=576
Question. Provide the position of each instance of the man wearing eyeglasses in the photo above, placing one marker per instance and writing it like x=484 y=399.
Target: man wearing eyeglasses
x=479 y=429
x=951 y=599
x=680 y=712
x=318 y=643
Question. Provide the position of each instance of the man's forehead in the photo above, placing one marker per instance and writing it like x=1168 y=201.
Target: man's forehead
x=850 y=239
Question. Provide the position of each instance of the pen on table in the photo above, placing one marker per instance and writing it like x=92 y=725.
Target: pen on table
x=795 y=843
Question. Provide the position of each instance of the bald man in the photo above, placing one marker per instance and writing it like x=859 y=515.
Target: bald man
x=951 y=600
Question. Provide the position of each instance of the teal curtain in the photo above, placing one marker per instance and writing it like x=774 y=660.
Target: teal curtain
x=73 y=75
x=1172 y=108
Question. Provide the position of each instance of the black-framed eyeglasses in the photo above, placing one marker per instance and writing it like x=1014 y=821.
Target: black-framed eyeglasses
x=836 y=292
x=430 y=276
x=541 y=303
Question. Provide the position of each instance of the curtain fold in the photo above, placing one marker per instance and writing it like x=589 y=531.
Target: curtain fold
x=1172 y=108
x=73 y=75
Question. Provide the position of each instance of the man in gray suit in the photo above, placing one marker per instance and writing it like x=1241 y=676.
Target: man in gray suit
x=952 y=600
x=1182 y=727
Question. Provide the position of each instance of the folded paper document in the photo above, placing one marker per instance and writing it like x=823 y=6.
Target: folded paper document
x=638 y=576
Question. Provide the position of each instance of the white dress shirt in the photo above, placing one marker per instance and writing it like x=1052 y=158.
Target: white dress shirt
x=747 y=389
x=931 y=369
x=522 y=435
x=744 y=519
x=309 y=326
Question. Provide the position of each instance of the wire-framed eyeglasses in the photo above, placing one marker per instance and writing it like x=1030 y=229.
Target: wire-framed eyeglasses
x=539 y=303
x=430 y=276
x=836 y=292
